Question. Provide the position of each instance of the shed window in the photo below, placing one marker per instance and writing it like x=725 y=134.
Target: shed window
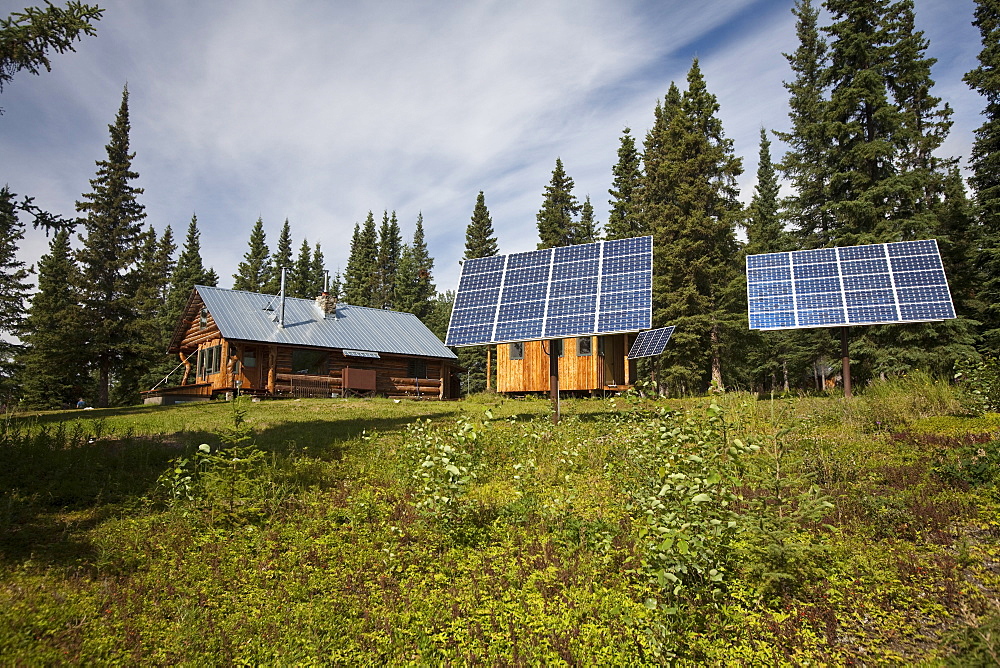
x=517 y=350
x=584 y=346
x=312 y=362
x=417 y=369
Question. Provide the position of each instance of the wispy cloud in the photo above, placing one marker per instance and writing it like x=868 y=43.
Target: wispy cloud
x=320 y=111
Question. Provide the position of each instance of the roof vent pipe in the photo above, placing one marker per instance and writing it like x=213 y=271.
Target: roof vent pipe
x=281 y=308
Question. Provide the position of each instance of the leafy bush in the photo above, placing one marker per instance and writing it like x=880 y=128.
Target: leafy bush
x=681 y=477
x=890 y=405
x=979 y=384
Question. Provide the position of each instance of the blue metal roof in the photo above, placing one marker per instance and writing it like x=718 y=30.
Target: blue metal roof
x=242 y=316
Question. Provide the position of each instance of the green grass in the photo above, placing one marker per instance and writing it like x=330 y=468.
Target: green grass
x=357 y=532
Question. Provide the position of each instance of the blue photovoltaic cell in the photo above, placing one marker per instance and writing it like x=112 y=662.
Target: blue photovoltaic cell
x=823 y=300
x=782 y=320
x=529 y=259
x=815 y=270
x=768 y=260
x=875 y=283
x=487 y=281
x=577 y=253
x=651 y=342
x=582 y=286
x=626 y=282
x=872 y=266
x=812 y=256
x=769 y=274
x=766 y=304
x=476 y=298
x=866 y=297
x=598 y=288
x=520 y=311
x=482 y=264
x=561 y=272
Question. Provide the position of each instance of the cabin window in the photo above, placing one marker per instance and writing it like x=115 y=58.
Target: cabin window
x=209 y=360
x=250 y=358
x=203 y=319
x=584 y=346
x=312 y=362
x=517 y=350
x=418 y=369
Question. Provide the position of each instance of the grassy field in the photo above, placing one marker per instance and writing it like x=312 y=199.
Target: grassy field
x=727 y=530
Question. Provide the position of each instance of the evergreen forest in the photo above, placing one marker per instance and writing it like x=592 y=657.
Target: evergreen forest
x=861 y=164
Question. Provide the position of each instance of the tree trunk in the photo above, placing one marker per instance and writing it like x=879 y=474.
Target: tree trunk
x=717 y=385
x=103 y=383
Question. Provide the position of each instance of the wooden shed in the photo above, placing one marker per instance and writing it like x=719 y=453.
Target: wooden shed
x=231 y=341
x=587 y=364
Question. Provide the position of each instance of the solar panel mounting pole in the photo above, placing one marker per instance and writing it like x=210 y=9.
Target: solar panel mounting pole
x=554 y=380
x=845 y=371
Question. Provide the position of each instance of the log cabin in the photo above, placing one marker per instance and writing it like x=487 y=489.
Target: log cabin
x=232 y=341
x=587 y=365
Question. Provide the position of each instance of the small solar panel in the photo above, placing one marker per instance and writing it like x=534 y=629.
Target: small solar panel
x=864 y=285
x=598 y=288
x=651 y=342
x=361 y=353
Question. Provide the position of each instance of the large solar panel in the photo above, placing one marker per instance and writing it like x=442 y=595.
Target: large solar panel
x=599 y=288
x=651 y=342
x=849 y=285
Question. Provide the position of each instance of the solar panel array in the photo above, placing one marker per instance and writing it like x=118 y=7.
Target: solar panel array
x=850 y=285
x=599 y=288
x=651 y=342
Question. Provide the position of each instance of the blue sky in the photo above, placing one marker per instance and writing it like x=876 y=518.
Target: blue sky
x=319 y=111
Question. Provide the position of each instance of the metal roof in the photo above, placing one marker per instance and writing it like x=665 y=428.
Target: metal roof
x=242 y=316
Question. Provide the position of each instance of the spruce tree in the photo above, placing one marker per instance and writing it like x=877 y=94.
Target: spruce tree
x=768 y=355
x=480 y=239
x=414 y=281
x=556 y=223
x=26 y=37
x=254 y=273
x=109 y=255
x=587 y=227
x=54 y=360
x=361 y=274
x=148 y=344
x=282 y=257
x=14 y=286
x=300 y=281
x=764 y=226
x=865 y=186
x=390 y=245
x=690 y=190
x=317 y=272
x=624 y=220
x=985 y=164
x=805 y=162
x=188 y=272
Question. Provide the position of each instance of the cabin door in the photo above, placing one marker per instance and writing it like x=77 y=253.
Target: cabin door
x=250 y=364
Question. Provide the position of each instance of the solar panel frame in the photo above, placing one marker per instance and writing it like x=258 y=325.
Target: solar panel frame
x=891 y=283
x=650 y=343
x=588 y=289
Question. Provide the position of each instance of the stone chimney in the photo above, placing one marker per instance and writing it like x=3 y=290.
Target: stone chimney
x=327 y=305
